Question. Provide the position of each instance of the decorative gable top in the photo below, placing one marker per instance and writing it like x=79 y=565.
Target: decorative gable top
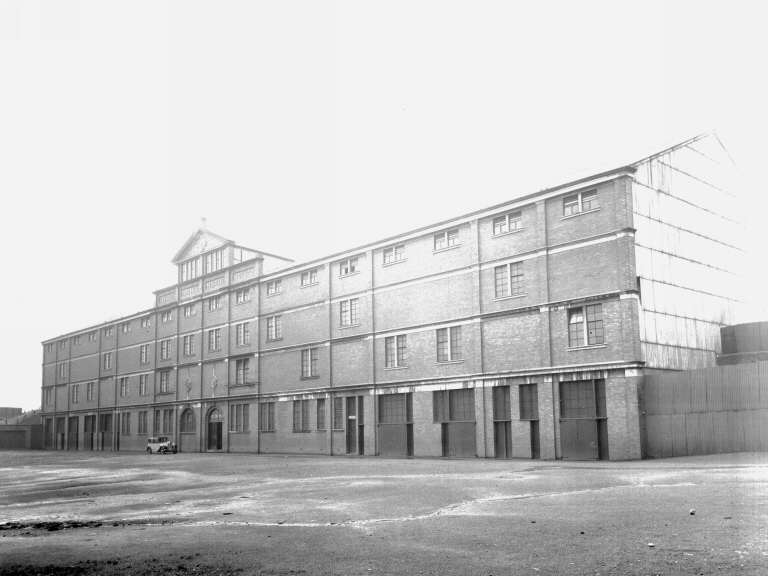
x=201 y=241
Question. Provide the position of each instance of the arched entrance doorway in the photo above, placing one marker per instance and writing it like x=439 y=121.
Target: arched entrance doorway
x=215 y=420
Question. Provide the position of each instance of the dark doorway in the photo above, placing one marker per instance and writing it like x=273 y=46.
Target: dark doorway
x=89 y=431
x=582 y=417
x=455 y=410
x=215 y=429
x=351 y=424
x=60 y=433
x=529 y=410
x=396 y=425
x=105 y=431
x=72 y=432
x=502 y=422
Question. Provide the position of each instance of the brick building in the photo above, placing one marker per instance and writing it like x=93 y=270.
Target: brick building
x=519 y=330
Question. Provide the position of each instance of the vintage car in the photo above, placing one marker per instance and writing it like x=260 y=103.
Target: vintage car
x=161 y=444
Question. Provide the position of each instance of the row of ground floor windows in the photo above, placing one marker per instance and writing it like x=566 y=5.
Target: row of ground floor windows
x=582 y=411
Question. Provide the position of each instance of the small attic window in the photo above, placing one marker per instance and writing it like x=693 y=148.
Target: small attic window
x=190 y=269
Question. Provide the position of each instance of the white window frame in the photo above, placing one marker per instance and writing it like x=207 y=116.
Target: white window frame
x=124 y=389
x=446 y=239
x=242 y=295
x=143 y=379
x=189 y=310
x=274 y=328
x=349 y=312
x=393 y=254
x=214 y=303
x=107 y=360
x=393 y=343
x=144 y=354
x=167 y=316
x=214 y=340
x=313 y=370
x=92 y=336
x=165 y=378
x=348 y=266
x=89 y=391
x=506 y=222
x=309 y=278
x=165 y=349
x=242 y=334
x=126 y=327
x=579 y=204
x=453 y=355
x=188 y=343
x=242 y=369
x=75 y=393
x=146 y=322
x=274 y=287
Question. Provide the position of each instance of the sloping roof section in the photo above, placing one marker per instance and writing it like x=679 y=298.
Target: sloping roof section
x=203 y=240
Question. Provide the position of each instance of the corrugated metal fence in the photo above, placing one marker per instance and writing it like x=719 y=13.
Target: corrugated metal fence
x=706 y=411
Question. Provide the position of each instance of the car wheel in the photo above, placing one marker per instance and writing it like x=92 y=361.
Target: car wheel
x=163 y=450
x=149 y=450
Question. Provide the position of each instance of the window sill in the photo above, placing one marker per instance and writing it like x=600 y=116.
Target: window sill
x=500 y=234
x=245 y=345
x=355 y=273
x=168 y=393
x=302 y=431
x=453 y=247
x=273 y=340
x=387 y=368
x=394 y=262
x=247 y=385
x=347 y=326
x=588 y=347
x=267 y=431
x=310 y=285
x=441 y=362
x=580 y=213
x=512 y=297
x=239 y=431
x=274 y=294
x=310 y=377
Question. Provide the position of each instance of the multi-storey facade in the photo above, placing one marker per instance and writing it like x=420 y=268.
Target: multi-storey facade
x=520 y=330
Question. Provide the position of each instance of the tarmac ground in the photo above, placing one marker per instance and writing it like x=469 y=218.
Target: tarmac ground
x=130 y=513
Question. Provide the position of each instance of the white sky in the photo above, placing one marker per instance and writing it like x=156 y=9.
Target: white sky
x=304 y=128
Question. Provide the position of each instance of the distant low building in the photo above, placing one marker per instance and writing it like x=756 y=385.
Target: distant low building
x=22 y=431
x=522 y=329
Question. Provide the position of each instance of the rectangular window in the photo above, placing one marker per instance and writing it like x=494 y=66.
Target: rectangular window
x=446 y=239
x=144 y=354
x=143 y=378
x=349 y=312
x=242 y=296
x=301 y=415
x=89 y=388
x=348 y=266
x=156 y=422
x=108 y=331
x=123 y=386
x=214 y=261
x=62 y=370
x=274 y=287
x=165 y=377
x=580 y=202
x=166 y=316
x=92 y=336
x=107 y=360
x=320 y=409
x=48 y=395
x=243 y=334
x=238 y=418
x=146 y=322
x=309 y=363
x=587 y=329
x=507 y=223
x=214 y=340
x=189 y=345
x=508 y=280
x=395 y=350
x=189 y=310
x=143 y=422
x=241 y=371
x=126 y=327
x=75 y=393
x=62 y=344
x=529 y=402
x=125 y=424
x=309 y=277
x=214 y=303
x=454 y=405
x=449 y=344
x=338 y=413
x=168 y=421
x=394 y=254
x=165 y=349
x=274 y=328
x=190 y=269
x=77 y=340
x=267 y=417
